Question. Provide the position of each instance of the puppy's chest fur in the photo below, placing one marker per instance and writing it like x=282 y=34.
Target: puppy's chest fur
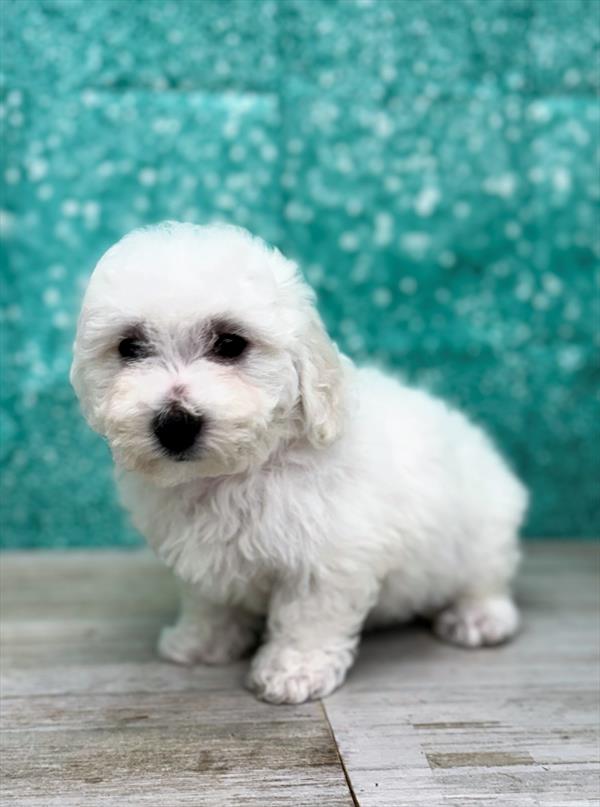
x=235 y=537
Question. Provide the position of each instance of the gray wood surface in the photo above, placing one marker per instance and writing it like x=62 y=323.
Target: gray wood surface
x=423 y=723
x=90 y=716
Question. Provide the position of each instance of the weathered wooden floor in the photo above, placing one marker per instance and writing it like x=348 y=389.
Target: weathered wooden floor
x=91 y=717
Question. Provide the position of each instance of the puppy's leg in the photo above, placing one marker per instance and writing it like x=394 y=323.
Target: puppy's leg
x=477 y=620
x=206 y=633
x=313 y=633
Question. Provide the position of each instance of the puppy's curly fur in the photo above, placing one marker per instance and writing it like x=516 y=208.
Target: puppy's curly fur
x=311 y=498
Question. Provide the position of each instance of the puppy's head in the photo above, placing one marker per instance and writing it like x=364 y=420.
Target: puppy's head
x=199 y=351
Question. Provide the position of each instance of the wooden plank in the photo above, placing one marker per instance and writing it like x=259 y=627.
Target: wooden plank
x=422 y=723
x=219 y=748
x=90 y=716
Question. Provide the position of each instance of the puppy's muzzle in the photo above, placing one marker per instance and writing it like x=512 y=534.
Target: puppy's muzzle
x=177 y=430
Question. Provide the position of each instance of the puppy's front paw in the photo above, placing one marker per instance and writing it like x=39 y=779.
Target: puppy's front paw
x=184 y=643
x=282 y=674
x=474 y=623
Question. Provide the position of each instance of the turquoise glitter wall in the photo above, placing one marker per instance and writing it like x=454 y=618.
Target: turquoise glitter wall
x=431 y=164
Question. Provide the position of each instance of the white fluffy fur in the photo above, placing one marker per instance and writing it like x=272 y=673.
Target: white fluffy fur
x=323 y=497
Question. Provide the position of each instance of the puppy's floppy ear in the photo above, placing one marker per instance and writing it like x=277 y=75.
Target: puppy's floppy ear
x=321 y=374
x=79 y=382
x=88 y=387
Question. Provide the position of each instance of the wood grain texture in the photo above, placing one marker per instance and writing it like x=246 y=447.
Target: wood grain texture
x=423 y=723
x=90 y=716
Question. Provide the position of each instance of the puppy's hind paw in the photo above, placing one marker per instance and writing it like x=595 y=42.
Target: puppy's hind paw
x=478 y=622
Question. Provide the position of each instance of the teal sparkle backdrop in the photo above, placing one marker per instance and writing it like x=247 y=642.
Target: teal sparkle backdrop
x=431 y=164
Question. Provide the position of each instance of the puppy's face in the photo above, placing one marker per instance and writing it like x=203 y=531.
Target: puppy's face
x=198 y=353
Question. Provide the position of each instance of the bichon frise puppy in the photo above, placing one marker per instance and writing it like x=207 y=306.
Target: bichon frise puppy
x=288 y=490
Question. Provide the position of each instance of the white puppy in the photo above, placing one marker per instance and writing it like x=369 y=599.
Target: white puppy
x=278 y=481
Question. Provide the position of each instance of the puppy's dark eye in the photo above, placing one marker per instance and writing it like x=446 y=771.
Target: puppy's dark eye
x=132 y=347
x=229 y=346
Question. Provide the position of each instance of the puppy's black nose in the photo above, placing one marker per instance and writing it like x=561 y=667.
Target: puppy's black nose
x=176 y=430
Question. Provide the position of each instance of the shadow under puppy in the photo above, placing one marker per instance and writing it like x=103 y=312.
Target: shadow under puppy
x=275 y=478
